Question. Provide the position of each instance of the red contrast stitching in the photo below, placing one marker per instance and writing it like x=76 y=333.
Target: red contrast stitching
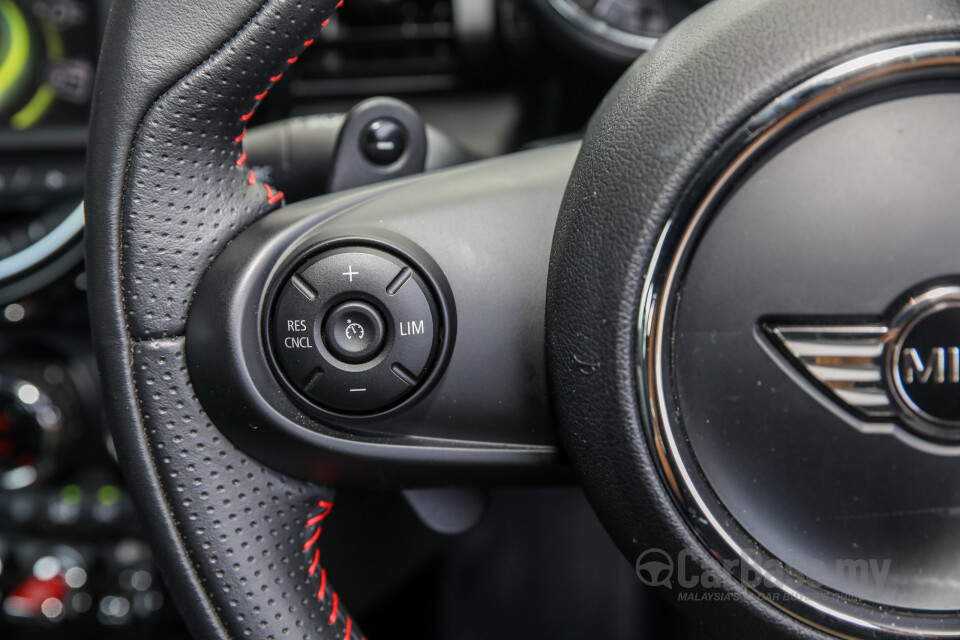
x=333 y=612
x=314 y=522
x=316 y=519
x=273 y=197
x=309 y=543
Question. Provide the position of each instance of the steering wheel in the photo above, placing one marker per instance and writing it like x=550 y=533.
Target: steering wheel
x=737 y=303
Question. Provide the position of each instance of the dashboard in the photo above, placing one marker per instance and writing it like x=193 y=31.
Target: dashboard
x=73 y=558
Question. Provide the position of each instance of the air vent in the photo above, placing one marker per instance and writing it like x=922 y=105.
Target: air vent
x=401 y=45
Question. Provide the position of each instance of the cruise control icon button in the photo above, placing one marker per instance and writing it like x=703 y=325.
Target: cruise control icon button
x=354 y=332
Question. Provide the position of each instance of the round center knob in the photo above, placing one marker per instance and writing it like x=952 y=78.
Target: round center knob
x=354 y=332
x=383 y=141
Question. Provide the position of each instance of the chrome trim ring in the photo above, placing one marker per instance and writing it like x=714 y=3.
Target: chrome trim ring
x=765 y=575
x=600 y=29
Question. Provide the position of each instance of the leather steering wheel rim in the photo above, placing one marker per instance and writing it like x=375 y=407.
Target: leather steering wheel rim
x=178 y=82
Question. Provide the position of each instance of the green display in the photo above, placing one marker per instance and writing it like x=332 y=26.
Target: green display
x=47 y=54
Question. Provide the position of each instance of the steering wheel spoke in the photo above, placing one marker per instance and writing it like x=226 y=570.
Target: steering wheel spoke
x=477 y=241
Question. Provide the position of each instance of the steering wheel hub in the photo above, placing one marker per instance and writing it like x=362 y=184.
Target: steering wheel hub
x=766 y=346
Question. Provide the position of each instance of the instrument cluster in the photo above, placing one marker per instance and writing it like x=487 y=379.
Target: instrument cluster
x=48 y=54
x=617 y=29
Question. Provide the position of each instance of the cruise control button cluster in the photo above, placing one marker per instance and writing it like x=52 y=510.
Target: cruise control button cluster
x=354 y=329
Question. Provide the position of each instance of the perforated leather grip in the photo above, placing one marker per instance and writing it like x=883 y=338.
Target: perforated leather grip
x=167 y=189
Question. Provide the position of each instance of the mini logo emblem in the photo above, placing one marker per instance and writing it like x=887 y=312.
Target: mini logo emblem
x=903 y=368
x=927 y=364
